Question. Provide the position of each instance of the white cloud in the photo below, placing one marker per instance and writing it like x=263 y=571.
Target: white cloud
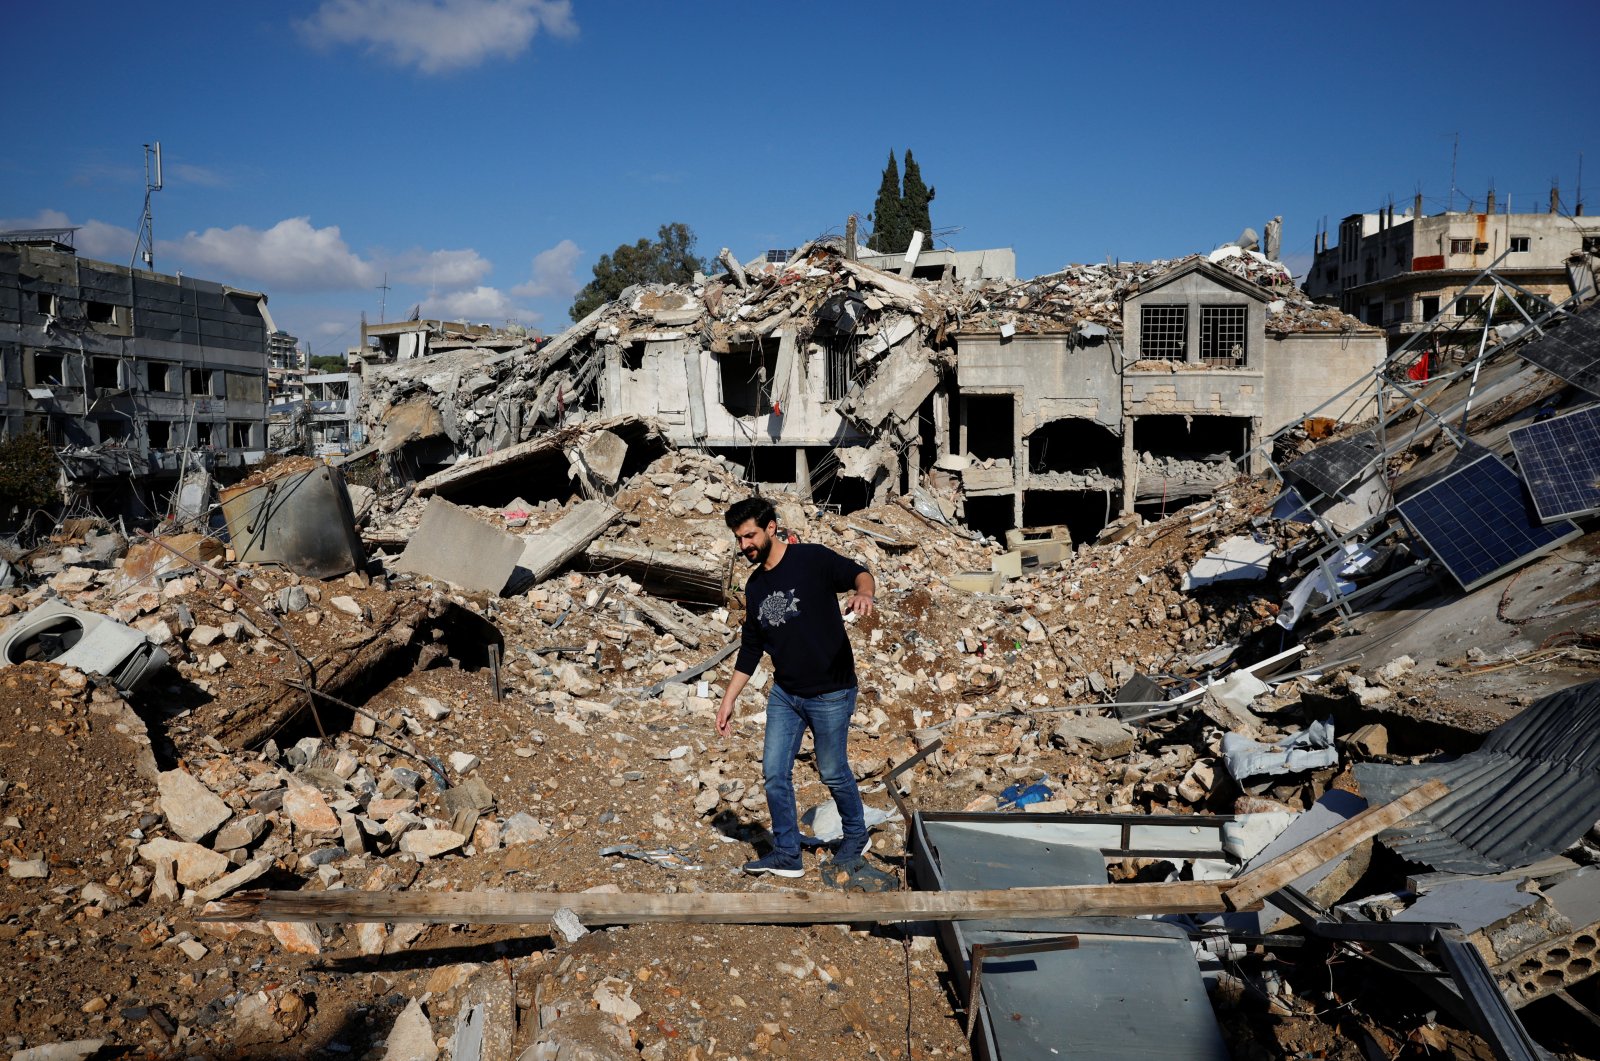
x=289 y=256
x=554 y=273
x=447 y=270
x=202 y=176
x=94 y=239
x=480 y=305
x=439 y=35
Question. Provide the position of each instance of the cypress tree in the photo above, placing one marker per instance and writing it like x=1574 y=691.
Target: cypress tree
x=914 y=205
x=889 y=233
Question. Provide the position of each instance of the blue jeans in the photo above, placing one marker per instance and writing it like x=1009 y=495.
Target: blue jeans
x=828 y=718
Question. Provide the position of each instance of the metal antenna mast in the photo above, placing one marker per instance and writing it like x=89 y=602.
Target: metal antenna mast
x=146 y=247
x=383 y=300
x=1454 y=151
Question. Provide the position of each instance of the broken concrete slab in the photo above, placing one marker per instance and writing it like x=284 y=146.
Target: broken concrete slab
x=1237 y=559
x=454 y=546
x=542 y=457
x=552 y=549
x=1097 y=736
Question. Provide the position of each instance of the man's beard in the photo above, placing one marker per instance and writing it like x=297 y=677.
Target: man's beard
x=761 y=553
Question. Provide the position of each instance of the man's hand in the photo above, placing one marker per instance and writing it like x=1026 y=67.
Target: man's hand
x=859 y=604
x=725 y=716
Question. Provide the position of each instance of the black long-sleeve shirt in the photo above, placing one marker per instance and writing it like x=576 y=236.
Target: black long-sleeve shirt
x=792 y=613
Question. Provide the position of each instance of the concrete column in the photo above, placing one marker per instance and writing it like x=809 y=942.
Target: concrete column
x=1019 y=459
x=1257 y=464
x=941 y=423
x=802 y=473
x=961 y=424
x=1130 y=466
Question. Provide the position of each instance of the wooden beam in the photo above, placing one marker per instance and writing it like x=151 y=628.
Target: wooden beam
x=728 y=908
x=1289 y=867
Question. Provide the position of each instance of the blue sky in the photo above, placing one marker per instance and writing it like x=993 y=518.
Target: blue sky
x=483 y=153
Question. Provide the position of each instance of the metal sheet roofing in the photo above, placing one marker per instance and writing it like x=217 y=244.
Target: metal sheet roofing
x=1528 y=793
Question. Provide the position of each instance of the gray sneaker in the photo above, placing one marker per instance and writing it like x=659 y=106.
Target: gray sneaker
x=777 y=864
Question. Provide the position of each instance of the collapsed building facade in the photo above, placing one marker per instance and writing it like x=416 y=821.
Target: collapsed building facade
x=134 y=376
x=1066 y=399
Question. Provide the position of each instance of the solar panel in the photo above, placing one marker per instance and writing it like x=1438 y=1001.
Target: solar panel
x=1331 y=467
x=1479 y=523
x=1560 y=462
x=1571 y=350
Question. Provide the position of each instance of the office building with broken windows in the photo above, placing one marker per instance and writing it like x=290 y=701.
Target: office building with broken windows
x=134 y=376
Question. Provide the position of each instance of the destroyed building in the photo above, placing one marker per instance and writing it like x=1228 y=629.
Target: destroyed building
x=1067 y=399
x=1308 y=766
x=132 y=375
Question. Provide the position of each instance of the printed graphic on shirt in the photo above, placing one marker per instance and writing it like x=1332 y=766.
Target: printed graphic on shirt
x=778 y=606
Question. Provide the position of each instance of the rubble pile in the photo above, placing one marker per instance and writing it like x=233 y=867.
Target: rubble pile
x=509 y=695
x=1094 y=294
x=482 y=400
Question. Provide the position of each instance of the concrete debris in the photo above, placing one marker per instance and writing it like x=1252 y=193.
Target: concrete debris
x=512 y=686
x=455 y=547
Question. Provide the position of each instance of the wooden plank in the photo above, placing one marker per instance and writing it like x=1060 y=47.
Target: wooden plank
x=728 y=908
x=1289 y=867
x=1423 y=883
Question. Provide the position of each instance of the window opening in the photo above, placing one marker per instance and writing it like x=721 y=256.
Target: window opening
x=105 y=374
x=1164 y=333
x=1519 y=244
x=1461 y=246
x=49 y=369
x=843 y=364
x=160 y=432
x=1222 y=335
x=202 y=434
x=239 y=431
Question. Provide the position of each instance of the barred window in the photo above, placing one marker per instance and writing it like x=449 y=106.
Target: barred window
x=1164 y=333
x=1222 y=335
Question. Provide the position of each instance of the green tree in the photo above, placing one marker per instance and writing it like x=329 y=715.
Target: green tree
x=28 y=472
x=889 y=232
x=667 y=259
x=914 y=204
x=329 y=363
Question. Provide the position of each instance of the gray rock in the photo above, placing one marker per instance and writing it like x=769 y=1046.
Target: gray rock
x=566 y=922
x=1097 y=736
x=193 y=811
x=411 y=1037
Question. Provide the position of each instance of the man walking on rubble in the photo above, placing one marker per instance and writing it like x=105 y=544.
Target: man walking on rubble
x=792 y=613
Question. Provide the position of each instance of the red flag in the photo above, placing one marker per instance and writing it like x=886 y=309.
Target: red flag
x=1419 y=371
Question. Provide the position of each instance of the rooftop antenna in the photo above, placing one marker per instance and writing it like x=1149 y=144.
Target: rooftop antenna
x=383 y=300
x=1579 y=191
x=145 y=248
x=1454 y=151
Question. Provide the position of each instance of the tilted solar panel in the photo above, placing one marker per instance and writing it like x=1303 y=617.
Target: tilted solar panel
x=1560 y=461
x=1479 y=522
x=1571 y=350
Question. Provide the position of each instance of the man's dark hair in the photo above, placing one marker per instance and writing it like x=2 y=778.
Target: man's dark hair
x=751 y=508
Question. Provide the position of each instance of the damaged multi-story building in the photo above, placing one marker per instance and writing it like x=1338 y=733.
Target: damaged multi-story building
x=135 y=376
x=1405 y=272
x=1065 y=399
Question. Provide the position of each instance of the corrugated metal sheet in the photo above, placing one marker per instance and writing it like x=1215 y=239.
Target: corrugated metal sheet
x=1528 y=793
